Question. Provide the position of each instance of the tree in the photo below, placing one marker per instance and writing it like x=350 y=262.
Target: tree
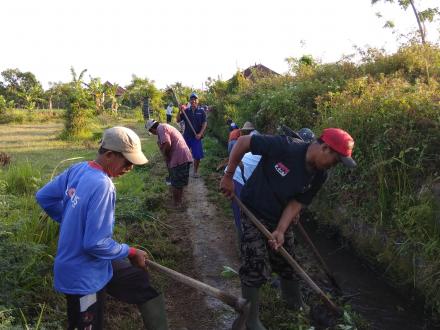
x=97 y=90
x=141 y=89
x=3 y=104
x=79 y=101
x=302 y=66
x=423 y=16
x=22 y=88
x=182 y=93
x=110 y=92
x=57 y=96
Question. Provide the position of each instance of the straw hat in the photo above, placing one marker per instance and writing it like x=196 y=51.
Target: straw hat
x=248 y=126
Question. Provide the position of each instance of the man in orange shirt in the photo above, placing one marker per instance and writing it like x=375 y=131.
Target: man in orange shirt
x=233 y=136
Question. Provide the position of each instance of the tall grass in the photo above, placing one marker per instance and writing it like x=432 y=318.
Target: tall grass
x=20 y=116
x=22 y=179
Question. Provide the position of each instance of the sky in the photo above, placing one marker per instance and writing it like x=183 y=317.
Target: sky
x=187 y=41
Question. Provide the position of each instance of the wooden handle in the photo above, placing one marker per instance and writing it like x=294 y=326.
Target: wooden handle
x=189 y=123
x=237 y=303
x=292 y=262
x=183 y=111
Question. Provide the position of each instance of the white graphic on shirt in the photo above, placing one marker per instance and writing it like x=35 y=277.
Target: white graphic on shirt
x=74 y=198
x=282 y=169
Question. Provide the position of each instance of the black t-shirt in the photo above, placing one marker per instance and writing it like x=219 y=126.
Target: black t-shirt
x=280 y=176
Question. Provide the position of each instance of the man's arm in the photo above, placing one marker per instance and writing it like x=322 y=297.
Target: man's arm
x=165 y=149
x=51 y=197
x=202 y=131
x=242 y=146
x=179 y=116
x=164 y=142
x=290 y=215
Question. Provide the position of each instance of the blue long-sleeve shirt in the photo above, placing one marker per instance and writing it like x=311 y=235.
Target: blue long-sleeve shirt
x=82 y=200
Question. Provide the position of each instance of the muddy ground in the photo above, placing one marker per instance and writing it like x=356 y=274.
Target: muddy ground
x=209 y=241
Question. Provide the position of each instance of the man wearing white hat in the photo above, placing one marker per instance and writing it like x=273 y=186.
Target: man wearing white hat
x=89 y=263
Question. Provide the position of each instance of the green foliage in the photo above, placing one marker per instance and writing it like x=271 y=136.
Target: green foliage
x=111 y=98
x=412 y=61
x=22 y=88
x=22 y=179
x=395 y=122
x=3 y=104
x=390 y=104
x=98 y=91
x=76 y=115
x=58 y=95
x=27 y=246
x=140 y=91
x=182 y=94
x=19 y=116
x=271 y=101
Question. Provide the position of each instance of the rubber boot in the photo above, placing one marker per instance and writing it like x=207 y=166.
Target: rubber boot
x=153 y=313
x=253 y=295
x=291 y=293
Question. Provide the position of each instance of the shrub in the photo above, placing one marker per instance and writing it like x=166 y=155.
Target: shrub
x=3 y=104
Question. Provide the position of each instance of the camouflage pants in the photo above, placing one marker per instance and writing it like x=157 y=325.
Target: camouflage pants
x=258 y=260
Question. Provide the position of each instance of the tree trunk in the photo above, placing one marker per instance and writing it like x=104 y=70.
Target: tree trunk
x=115 y=105
x=421 y=28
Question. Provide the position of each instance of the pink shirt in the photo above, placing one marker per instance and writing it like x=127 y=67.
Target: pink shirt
x=179 y=152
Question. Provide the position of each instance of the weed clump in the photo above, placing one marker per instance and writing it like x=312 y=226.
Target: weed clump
x=5 y=159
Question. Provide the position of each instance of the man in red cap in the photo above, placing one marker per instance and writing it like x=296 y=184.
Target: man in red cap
x=288 y=176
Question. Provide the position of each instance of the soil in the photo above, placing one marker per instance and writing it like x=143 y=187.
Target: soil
x=209 y=241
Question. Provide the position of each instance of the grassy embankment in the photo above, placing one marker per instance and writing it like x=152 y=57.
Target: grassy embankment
x=28 y=243
x=389 y=205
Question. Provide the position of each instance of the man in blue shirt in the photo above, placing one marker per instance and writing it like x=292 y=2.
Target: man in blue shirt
x=197 y=117
x=89 y=263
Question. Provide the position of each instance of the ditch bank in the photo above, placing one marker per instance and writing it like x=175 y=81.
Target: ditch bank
x=205 y=233
x=380 y=304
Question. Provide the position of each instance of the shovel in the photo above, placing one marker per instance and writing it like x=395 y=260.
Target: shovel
x=240 y=305
x=337 y=310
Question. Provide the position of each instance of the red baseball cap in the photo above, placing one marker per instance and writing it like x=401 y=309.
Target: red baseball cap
x=341 y=142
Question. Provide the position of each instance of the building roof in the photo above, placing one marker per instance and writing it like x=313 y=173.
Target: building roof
x=258 y=70
x=119 y=91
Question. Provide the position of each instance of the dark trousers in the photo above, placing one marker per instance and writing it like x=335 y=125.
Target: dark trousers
x=236 y=209
x=128 y=284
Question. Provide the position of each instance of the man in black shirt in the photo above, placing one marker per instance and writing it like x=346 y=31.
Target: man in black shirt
x=288 y=176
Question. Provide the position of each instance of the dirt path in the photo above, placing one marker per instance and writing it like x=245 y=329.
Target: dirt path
x=210 y=241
